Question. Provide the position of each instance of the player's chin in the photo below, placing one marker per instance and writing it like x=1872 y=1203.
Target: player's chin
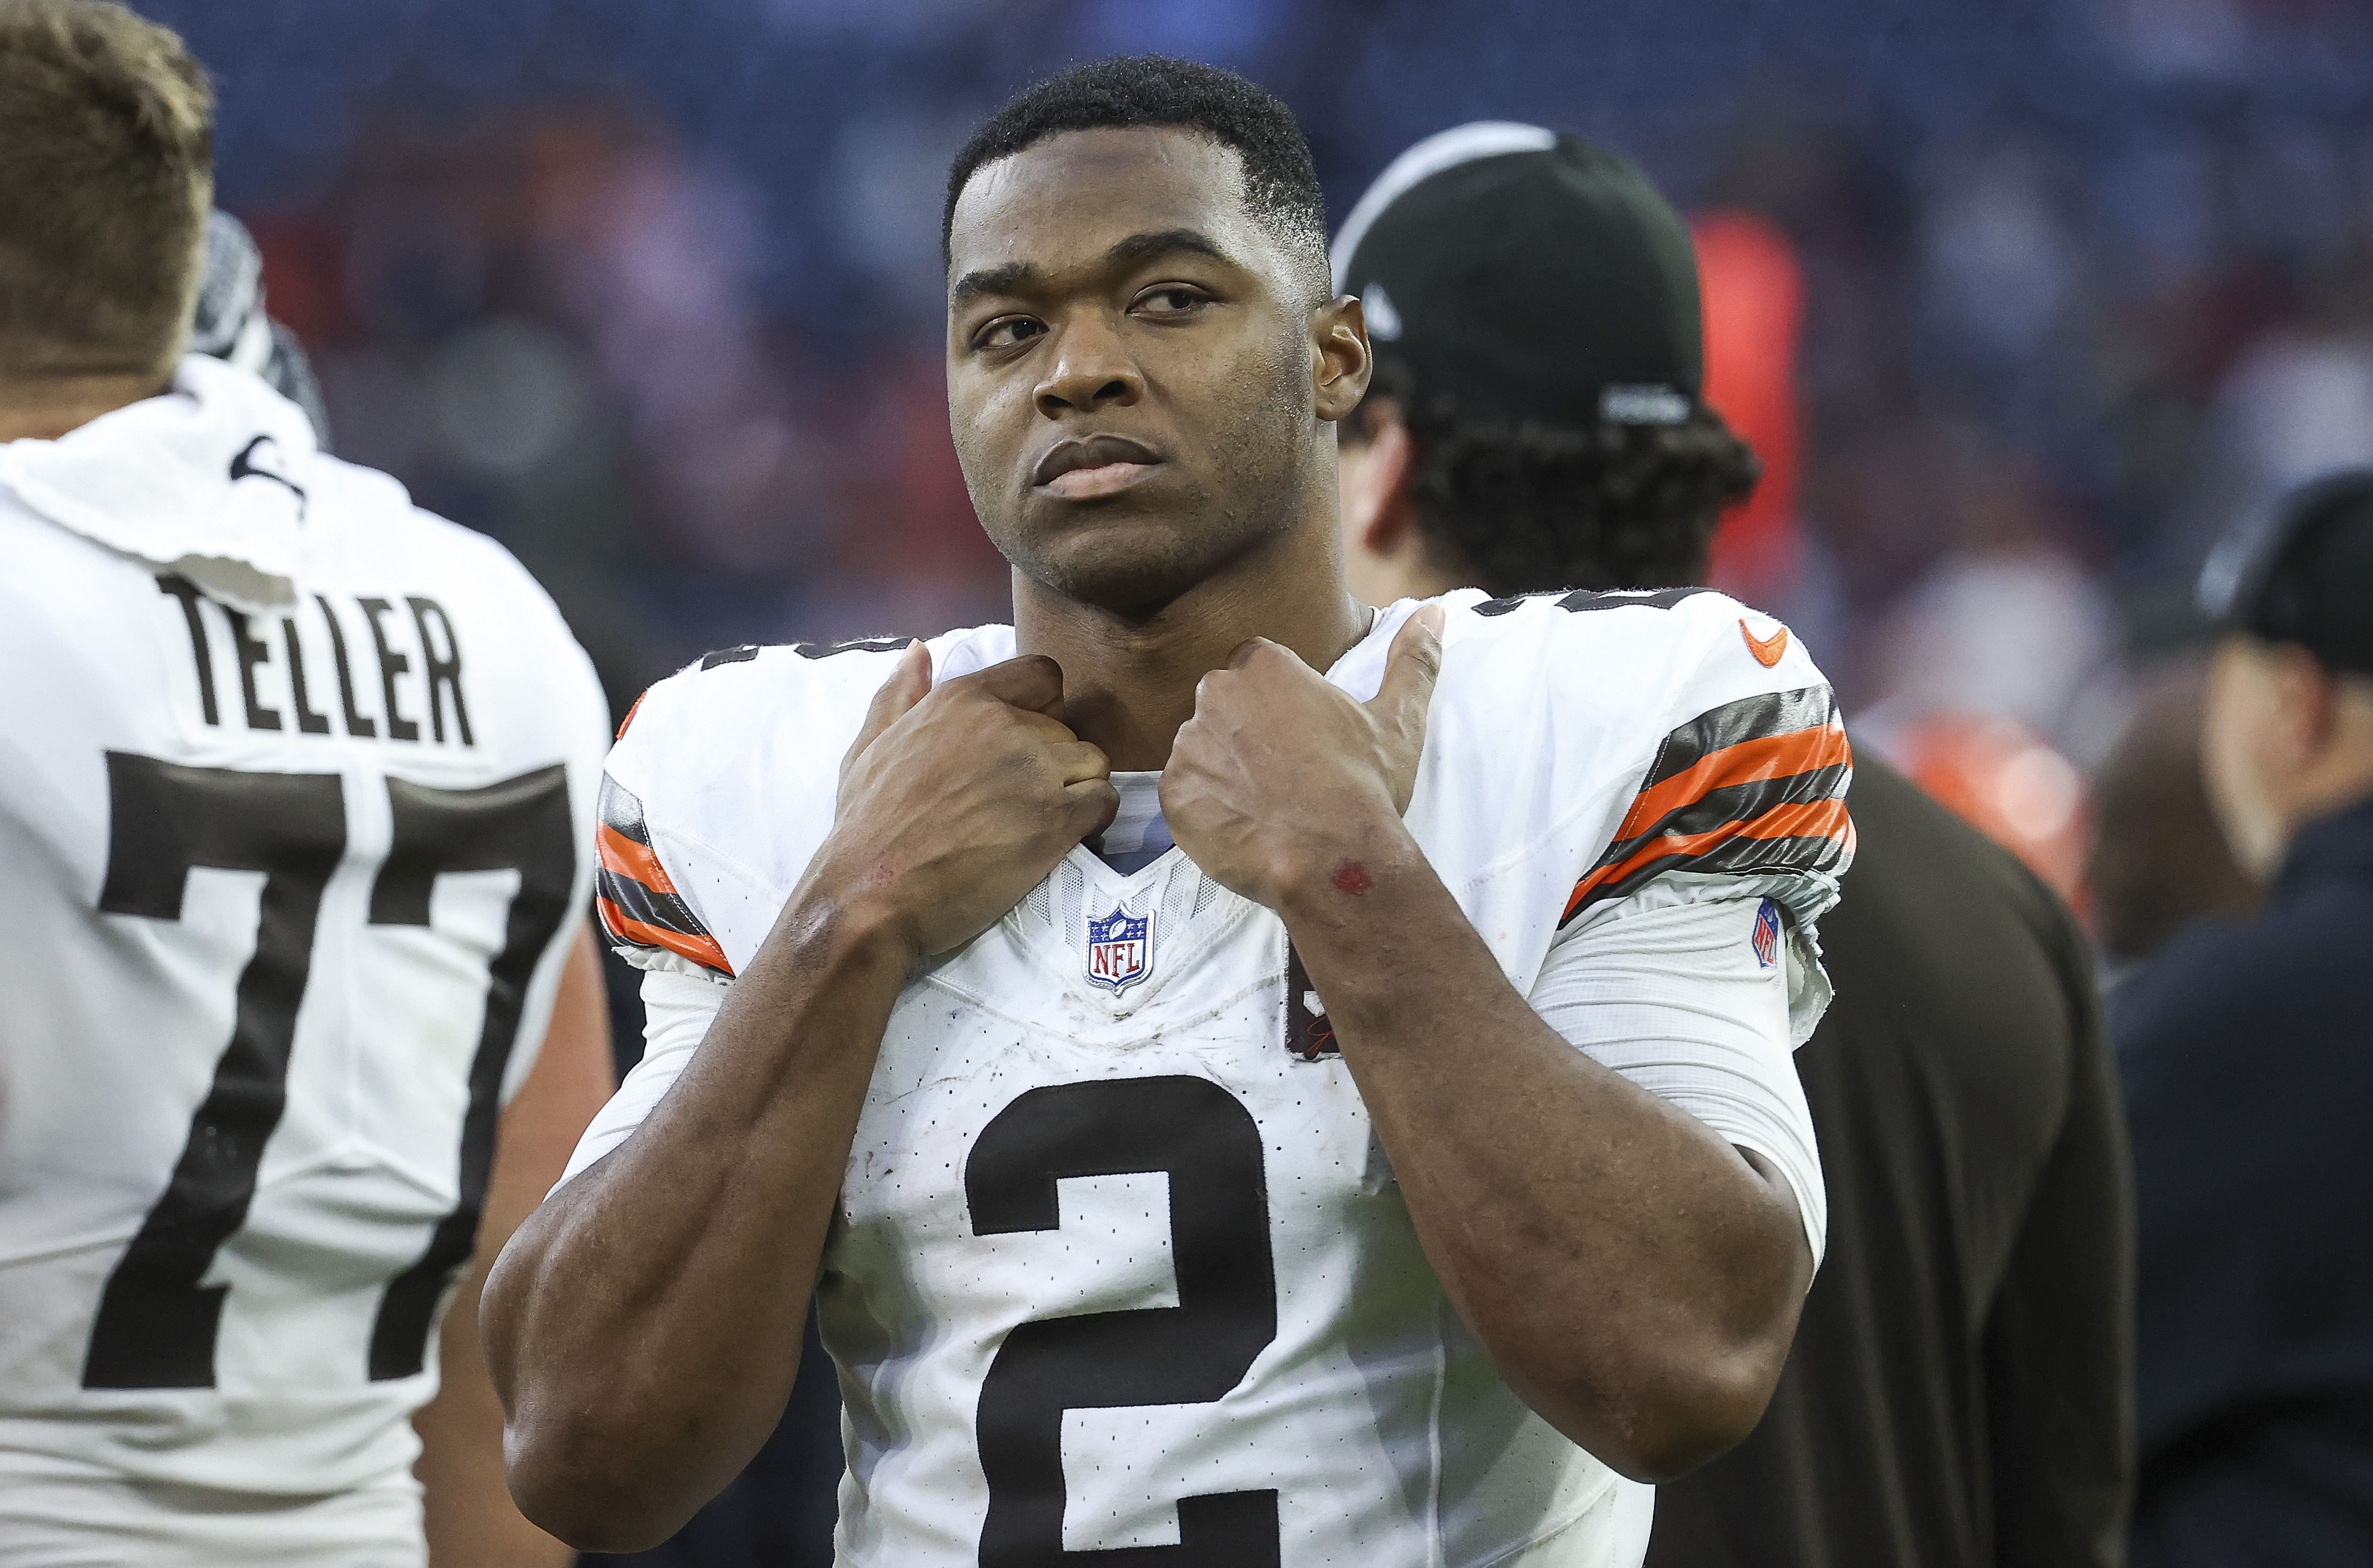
x=1120 y=553
x=1126 y=564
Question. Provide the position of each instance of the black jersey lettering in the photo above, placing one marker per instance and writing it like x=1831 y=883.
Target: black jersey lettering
x=442 y=672
x=1204 y=1140
x=519 y=825
x=157 y=1316
x=357 y=724
x=1577 y=600
x=741 y=655
x=251 y=652
x=390 y=665
x=863 y=645
x=308 y=721
x=185 y=590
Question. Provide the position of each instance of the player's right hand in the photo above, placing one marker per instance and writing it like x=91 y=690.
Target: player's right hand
x=955 y=802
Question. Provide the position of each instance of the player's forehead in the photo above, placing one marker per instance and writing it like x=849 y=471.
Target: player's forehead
x=1063 y=204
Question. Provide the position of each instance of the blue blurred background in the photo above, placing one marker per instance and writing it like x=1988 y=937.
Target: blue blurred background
x=2039 y=300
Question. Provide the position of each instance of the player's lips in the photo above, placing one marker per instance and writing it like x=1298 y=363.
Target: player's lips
x=1101 y=465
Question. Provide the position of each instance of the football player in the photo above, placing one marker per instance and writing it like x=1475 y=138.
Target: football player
x=301 y=788
x=1247 y=1079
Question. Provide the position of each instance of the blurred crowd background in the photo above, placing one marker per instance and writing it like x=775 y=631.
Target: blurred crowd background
x=2026 y=304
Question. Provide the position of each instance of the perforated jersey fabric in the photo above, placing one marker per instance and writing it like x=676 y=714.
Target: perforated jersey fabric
x=301 y=788
x=1121 y=1260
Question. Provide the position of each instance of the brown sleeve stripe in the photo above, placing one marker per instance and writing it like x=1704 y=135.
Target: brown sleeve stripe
x=1753 y=718
x=1728 y=805
x=1756 y=785
x=1816 y=837
x=1767 y=758
x=621 y=856
x=701 y=950
x=637 y=901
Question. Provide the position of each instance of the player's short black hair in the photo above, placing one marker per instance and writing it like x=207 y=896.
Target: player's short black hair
x=1527 y=505
x=1282 y=188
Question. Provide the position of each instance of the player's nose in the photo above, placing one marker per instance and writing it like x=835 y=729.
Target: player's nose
x=1088 y=371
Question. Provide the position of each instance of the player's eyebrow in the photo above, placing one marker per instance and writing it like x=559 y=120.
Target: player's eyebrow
x=992 y=280
x=1013 y=275
x=1140 y=247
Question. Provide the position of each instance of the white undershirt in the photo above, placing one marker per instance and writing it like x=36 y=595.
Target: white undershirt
x=1137 y=835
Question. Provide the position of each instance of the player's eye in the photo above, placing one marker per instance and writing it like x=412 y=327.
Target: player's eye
x=1008 y=331
x=1171 y=301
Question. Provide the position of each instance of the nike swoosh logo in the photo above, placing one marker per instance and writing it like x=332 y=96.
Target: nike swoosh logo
x=243 y=467
x=1767 y=649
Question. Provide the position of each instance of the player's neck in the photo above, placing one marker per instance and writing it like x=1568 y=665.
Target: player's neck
x=1128 y=684
x=44 y=407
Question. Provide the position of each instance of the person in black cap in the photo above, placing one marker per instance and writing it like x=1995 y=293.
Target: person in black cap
x=2249 y=1067
x=1536 y=418
x=1959 y=1393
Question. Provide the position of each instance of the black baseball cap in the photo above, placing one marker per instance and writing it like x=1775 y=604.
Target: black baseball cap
x=1521 y=274
x=2307 y=578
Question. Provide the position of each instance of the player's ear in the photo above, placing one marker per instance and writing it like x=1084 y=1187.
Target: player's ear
x=1340 y=362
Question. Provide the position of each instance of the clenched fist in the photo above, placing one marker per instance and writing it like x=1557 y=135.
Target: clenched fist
x=955 y=802
x=1279 y=777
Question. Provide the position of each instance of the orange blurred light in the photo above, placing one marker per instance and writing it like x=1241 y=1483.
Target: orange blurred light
x=2009 y=783
x=1753 y=292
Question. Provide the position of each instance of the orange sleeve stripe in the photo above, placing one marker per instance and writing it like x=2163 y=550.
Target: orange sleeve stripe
x=621 y=856
x=701 y=950
x=1749 y=762
x=629 y=718
x=1812 y=819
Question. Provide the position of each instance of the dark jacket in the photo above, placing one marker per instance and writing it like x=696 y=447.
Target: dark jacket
x=2248 y=1055
x=1959 y=1393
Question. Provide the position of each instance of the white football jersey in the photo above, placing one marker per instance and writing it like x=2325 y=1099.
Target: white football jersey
x=1119 y=1262
x=301 y=784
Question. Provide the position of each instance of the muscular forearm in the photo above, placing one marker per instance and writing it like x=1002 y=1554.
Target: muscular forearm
x=644 y=1325
x=1631 y=1276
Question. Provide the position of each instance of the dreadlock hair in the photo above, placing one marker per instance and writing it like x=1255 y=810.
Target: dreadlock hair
x=1282 y=189
x=1527 y=505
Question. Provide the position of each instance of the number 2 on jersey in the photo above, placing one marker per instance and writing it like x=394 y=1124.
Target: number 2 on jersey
x=1202 y=1137
x=156 y=1322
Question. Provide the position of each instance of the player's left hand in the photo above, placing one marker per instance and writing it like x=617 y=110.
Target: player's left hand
x=1281 y=779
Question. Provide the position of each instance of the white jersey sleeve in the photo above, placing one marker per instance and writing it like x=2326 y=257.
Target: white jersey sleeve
x=692 y=761
x=1584 y=746
x=1686 y=992
x=745 y=736
x=1639 y=800
x=678 y=1008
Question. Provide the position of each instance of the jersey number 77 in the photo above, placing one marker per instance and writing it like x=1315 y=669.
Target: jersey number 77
x=157 y=1321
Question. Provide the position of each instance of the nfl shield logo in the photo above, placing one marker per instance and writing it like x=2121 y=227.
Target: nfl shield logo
x=1120 y=949
x=1766 y=934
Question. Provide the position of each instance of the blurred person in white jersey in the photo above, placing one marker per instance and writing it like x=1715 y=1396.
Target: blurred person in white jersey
x=1249 y=1081
x=302 y=1012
